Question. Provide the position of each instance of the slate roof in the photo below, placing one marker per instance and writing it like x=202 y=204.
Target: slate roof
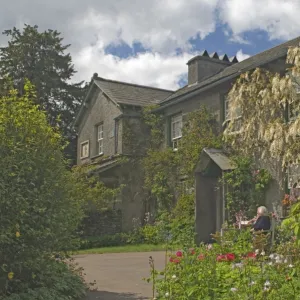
x=131 y=94
x=235 y=69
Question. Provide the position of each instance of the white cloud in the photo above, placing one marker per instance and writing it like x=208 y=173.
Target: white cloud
x=153 y=69
x=91 y=25
x=159 y=25
x=279 y=18
x=241 y=56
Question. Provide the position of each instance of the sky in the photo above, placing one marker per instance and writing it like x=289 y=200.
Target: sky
x=150 y=42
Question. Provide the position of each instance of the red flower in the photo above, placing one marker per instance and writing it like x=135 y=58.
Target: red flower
x=192 y=251
x=230 y=256
x=201 y=256
x=179 y=254
x=221 y=258
x=174 y=260
x=251 y=255
x=226 y=257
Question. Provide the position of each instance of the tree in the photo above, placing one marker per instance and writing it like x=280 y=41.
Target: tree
x=268 y=105
x=40 y=57
x=39 y=207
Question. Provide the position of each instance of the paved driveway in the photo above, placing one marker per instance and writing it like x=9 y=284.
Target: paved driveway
x=120 y=276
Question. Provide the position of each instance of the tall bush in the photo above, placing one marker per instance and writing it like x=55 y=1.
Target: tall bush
x=39 y=209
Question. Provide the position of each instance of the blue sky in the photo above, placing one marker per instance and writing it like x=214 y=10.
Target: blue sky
x=149 y=42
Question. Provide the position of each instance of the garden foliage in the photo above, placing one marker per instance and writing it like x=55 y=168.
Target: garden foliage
x=231 y=269
x=40 y=210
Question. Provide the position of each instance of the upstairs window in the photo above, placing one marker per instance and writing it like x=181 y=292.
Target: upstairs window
x=100 y=139
x=176 y=131
x=84 y=149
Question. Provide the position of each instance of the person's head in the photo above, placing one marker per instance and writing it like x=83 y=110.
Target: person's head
x=262 y=211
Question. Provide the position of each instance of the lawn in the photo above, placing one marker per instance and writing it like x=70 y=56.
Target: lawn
x=122 y=249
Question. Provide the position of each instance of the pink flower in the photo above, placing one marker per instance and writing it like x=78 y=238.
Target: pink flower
x=221 y=258
x=226 y=257
x=250 y=255
x=230 y=256
x=192 y=251
x=201 y=256
x=179 y=254
x=174 y=260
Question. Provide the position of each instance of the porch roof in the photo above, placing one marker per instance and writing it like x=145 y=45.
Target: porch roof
x=218 y=157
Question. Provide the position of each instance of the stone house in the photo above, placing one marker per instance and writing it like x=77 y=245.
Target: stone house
x=210 y=78
x=110 y=129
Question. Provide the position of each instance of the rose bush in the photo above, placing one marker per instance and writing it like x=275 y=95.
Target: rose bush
x=231 y=269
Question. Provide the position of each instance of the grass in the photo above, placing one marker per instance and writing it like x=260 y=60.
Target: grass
x=123 y=249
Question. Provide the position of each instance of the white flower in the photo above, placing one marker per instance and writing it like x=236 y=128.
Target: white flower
x=209 y=247
x=257 y=251
x=266 y=288
x=263 y=253
x=174 y=277
x=291 y=266
x=272 y=256
x=270 y=263
x=167 y=294
x=278 y=261
x=237 y=265
x=233 y=289
x=252 y=282
x=267 y=283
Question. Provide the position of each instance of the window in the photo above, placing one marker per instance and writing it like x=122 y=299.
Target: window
x=227 y=117
x=100 y=139
x=176 y=131
x=84 y=149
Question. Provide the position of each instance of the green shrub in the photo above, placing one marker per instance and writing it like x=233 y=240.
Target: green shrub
x=52 y=280
x=40 y=210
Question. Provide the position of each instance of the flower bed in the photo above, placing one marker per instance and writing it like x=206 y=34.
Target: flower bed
x=231 y=272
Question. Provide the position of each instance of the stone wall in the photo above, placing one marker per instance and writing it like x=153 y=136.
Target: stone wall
x=101 y=111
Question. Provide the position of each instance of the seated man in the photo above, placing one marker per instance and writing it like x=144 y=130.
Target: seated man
x=261 y=221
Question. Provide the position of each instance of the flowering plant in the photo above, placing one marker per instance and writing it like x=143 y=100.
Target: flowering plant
x=238 y=273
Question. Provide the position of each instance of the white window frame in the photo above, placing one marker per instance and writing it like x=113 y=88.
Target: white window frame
x=100 y=139
x=176 y=133
x=227 y=118
x=82 y=145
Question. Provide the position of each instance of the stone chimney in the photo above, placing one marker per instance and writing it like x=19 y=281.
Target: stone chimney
x=204 y=65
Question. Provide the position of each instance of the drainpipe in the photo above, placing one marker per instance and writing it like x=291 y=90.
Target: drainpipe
x=224 y=199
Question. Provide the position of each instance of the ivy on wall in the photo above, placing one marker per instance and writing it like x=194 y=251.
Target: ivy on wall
x=246 y=187
x=164 y=168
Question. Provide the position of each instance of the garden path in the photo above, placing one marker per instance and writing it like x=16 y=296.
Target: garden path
x=120 y=276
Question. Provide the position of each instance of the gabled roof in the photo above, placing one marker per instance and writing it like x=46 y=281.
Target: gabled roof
x=235 y=69
x=123 y=93
x=131 y=94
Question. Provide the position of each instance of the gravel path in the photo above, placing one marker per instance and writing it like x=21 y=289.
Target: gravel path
x=120 y=276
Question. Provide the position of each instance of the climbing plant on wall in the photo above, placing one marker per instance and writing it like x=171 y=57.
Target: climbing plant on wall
x=246 y=187
x=164 y=167
x=269 y=106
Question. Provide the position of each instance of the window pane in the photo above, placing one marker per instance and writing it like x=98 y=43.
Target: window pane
x=100 y=132
x=176 y=126
x=84 y=150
